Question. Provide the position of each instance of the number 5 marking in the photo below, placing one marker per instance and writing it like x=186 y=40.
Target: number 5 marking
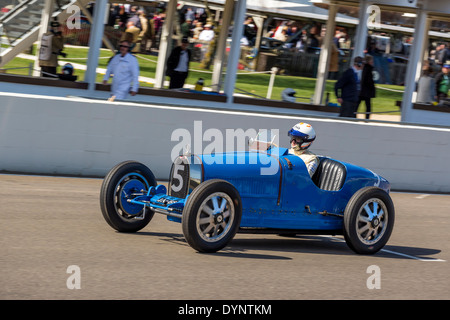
x=178 y=177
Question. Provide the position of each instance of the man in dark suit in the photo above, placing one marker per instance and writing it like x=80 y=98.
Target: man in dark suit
x=368 y=89
x=178 y=65
x=347 y=89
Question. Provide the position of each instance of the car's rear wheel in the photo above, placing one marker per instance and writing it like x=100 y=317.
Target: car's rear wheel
x=123 y=182
x=368 y=220
x=212 y=215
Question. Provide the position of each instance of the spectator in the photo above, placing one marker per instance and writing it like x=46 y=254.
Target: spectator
x=185 y=28
x=367 y=85
x=125 y=68
x=157 y=28
x=279 y=29
x=270 y=33
x=337 y=36
x=131 y=34
x=178 y=65
x=442 y=54
x=442 y=83
x=197 y=30
x=142 y=18
x=52 y=44
x=301 y=41
x=282 y=36
x=347 y=89
x=426 y=86
x=148 y=36
x=182 y=16
x=113 y=15
x=292 y=30
x=334 y=62
x=202 y=16
x=189 y=15
x=250 y=30
x=312 y=42
x=123 y=18
x=144 y=26
x=134 y=17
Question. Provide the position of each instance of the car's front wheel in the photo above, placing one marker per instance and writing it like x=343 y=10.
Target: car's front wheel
x=212 y=215
x=368 y=220
x=124 y=182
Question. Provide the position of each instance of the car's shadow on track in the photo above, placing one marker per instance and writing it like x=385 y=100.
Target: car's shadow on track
x=327 y=245
x=244 y=247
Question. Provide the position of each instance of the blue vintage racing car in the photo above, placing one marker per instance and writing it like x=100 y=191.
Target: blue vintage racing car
x=214 y=196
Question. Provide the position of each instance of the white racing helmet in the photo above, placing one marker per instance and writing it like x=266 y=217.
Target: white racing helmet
x=303 y=134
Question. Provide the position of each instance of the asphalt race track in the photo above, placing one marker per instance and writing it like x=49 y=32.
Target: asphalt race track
x=52 y=229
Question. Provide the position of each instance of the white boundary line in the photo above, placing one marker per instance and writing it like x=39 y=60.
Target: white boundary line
x=412 y=257
x=396 y=253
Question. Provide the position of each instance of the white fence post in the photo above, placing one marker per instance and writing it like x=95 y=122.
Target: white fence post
x=274 y=71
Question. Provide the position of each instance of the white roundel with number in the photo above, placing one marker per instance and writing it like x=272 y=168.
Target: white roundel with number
x=177 y=178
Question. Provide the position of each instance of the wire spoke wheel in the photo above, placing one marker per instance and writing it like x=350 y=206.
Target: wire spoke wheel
x=215 y=217
x=372 y=221
x=368 y=220
x=212 y=215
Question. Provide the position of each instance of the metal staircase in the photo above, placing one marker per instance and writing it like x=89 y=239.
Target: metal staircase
x=21 y=19
x=20 y=26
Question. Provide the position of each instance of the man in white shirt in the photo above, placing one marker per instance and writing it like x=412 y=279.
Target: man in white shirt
x=178 y=65
x=207 y=33
x=125 y=70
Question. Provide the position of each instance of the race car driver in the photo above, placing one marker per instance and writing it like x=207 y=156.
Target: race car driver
x=301 y=137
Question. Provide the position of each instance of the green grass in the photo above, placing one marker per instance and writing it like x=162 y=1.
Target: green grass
x=255 y=84
x=23 y=66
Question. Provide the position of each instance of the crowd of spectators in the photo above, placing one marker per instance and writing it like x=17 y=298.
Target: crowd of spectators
x=305 y=37
x=143 y=28
x=434 y=83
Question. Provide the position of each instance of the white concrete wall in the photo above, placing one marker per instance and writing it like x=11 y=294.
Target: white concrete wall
x=41 y=90
x=435 y=118
x=58 y=135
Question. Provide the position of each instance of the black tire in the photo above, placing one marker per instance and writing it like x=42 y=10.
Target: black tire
x=368 y=220
x=212 y=215
x=119 y=184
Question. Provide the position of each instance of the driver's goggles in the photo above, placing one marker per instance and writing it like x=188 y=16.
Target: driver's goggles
x=297 y=139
